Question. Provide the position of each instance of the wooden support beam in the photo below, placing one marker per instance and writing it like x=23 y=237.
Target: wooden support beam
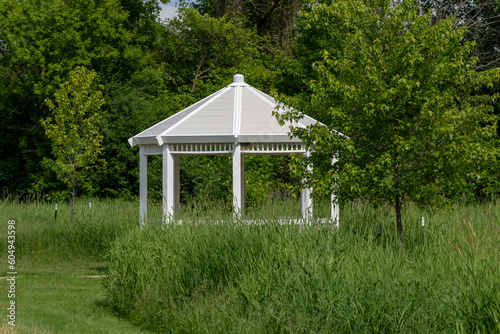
x=169 y=184
x=238 y=181
x=143 y=187
x=306 y=200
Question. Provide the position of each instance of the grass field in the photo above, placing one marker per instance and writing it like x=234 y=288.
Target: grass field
x=62 y=298
x=205 y=277
x=55 y=292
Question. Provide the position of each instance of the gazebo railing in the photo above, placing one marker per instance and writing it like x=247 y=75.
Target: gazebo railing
x=202 y=148
x=227 y=148
x=273 y=148
x=160 y=222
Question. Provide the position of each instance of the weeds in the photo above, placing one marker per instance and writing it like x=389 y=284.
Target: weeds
x=233 y=277
x=207 y=276
x=39 y=235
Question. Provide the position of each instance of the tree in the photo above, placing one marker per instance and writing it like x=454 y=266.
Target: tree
x=273 y=18
x=201 y=53
x=402 y=90
x=41 y=41
x=74 y=129
x=482 y=19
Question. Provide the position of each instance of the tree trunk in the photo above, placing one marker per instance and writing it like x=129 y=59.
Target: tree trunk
x=399 y=224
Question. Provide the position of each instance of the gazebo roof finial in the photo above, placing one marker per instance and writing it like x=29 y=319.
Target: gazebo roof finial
x=238 y=80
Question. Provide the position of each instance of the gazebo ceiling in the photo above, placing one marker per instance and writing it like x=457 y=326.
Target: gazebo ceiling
x=236 y=113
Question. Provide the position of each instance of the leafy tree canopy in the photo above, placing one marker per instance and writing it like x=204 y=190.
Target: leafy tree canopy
x=402 y=90
x=40 y=43
x=74 y=128
x=272 y=18
x=201 y=52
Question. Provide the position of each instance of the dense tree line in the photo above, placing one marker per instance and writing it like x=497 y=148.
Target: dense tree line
x=149 y=70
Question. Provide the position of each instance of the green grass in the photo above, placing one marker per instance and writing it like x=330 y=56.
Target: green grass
x=89 y=235
x=234 y=278
x=51 y=258
x=60 y=298
x=231 y=277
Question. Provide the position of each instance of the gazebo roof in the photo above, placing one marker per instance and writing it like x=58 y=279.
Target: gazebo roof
x=236 y=113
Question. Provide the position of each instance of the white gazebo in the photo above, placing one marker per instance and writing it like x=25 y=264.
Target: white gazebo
x=236 y=120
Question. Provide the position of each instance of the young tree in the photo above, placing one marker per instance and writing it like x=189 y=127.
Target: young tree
x=402 y=90
x=74 y=129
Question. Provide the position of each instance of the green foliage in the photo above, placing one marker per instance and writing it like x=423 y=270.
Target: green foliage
x=266 y=278
x=131 y=107
x=59 y=264
x=273 y=18
x=266 y=178
x=41 y=42
x=201 y=52
x=157 y=92
x=74 y=128
x=403 y=91
x=481 y=20
x=148 y=70
x=151 y=69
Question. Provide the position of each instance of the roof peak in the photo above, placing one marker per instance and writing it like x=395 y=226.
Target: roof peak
x=239 y=80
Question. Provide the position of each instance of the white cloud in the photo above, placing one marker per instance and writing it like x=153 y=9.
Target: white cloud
x=168 y=11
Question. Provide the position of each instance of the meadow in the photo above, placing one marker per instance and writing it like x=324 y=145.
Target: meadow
x=205 y=275
x=60 y=266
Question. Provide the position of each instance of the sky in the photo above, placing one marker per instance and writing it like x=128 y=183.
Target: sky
x=168 y=11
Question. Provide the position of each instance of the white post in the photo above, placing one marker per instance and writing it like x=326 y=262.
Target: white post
x=335 y=212
x=169 y=186
x=238 y=181
x=143 y=187
x=306 y=201
x=177 y=182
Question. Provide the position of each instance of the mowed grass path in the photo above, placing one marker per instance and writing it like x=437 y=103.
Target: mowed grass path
x=53 y=294
x=59 y=298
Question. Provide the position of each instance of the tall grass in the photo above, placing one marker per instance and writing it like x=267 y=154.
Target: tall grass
x=234 y=277
x=207 y=276
x=40 y=235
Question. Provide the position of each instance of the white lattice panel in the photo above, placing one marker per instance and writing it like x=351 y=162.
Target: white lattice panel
x=151 y=149
x=273 y=148
x=208 y=148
